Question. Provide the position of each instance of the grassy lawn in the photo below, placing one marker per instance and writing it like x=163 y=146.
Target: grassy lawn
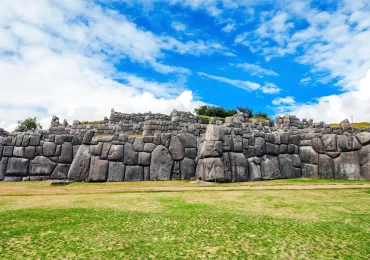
x=360 y=125
x=38 y=221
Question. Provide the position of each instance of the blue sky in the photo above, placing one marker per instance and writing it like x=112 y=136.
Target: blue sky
x=77 y=59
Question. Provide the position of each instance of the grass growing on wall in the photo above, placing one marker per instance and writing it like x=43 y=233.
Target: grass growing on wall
x=208 y=118
x=43 y=223
x=360 y=125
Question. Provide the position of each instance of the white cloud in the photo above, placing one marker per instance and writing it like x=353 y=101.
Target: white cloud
x=335 y=108
x=286 y=101
x=57 y=57
x=270 y=88
x=228 y=28
x=305 y=80
x=180 y=27
x=256 y=69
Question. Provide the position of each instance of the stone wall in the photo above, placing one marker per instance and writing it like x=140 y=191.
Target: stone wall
x=241 y=149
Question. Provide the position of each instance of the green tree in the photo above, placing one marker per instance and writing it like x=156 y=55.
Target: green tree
x=28 y=124
x=246 y=110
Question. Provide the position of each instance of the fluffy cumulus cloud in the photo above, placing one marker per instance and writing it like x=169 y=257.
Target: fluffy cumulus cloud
x=57 y=57
x=333 y=108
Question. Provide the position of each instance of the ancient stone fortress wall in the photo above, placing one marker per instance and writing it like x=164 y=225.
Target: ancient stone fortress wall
x=241 y=149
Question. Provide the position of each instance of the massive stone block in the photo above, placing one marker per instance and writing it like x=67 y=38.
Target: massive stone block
x=363 y=137
x=188 y=140
x=41 y=166
x=259 y=146
x=17 y=167
x=144 y=159
x=286 y=166
x=326 y=166
x=187 y=169
x=161 y=164
x=211 y=149
x=66 y=155
x=308 y=155
x=134 y=173
x=270 y=168
x=138 y=145
x=310 y=171
x=96 y=150
x=149 y=147
x=318 y=145
x=239 y=167
x=61 y=171
x=105 y=151
x=116 y=153
x=272 y=149
x=88 y=137
x=365 y=171
x=176 y=149
x=116 y=172
x=237 y=143
x=129 y=155
x=211 y=169
x=347 y=166
x=35 y=140
x=364 y=154
x=18 y=151
x=254 y=166
x=191 y=153
x=49 y=149
x=214 y=133
x=79 y=170
x=8 y=151
x=29 y=152
x=330 y=142
x=3 y=164
x=98 y=170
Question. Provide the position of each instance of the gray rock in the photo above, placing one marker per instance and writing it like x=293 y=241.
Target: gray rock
x=146 y=173
x=211 y=149
x=161 y=164
x=38 y=151
x=286 y=166
x=239 y=167
x=188 y=140
x=116 y=153
x=245 y=143
x=363 y=138
x=237 y=143
x=66 y=155
x=228 y=143
x=17 y=167
x=296 y=160
x=139 y=145
x=149 y=147
x=144 y=159
x=165 y=139
x=96 y=150
x=270 y=168
x=210 y=169
x=254 y=165
x=35 y=140
x=272 y=149
x=3 y=165
x=176 y=149
x=18 y=140
x=30 y=152
x=1 y=151
x=283 y=149
x=41 y=166
x=134 y=173
x=58 y=151
x=347 y=166
x=18 y=151
x=365 y=171
x=148 y=139
x=88 y=137
x=123 y=137
x=259 y=147
x=326 y=166
x=8 y=151
x=49 y=149
x=58 y=139
x=333 y=154
x=157 y=138
x=25 y=141
x=214 y=133
x=67 y=138
x=7 y=141
x=310 y=171
x=116 y=172
x=79 y=170
x=75 y=150
x=364 y=154
x=294 y=139
x=105 y=151
x=130 y=157
x=308 y=155
x=305 y=143
x=318 y=145
x=98 y=170
x=248 y=153
x=36 y=178
x=12 y=178
x=284 y=138
x=191 y=153
x=187 y=168
x=61 y=172
x=176 y=171
x=330 y=142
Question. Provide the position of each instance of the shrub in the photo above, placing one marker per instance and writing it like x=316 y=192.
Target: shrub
x=28 y=124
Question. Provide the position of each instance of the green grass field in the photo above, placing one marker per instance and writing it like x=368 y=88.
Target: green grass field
x=118 y=221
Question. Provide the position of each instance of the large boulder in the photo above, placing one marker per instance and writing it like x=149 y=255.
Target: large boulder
x=116 y=172
x=254 y=165
x=364 y=154
x=308 y=155
x=347 y=166
x=144 y=158
x=3 y=164
x=96 y=150
x=41 y=166
x=116 y=153
x=318 y=145
x=239 y=167
x=270 y=168
x=149 y=147
x=286 y=166
x=161 y=164
x=214 y=133
x=79 y=170
x=326 y=166
x=61 y=171
x=176 y=149
x=310 y=171
x=237 y=143
x=98 y=170
x=134 y=173
x=330 y=142
x=364 y=138
x=88 y=137
x=188 y=140
x=49 y=149
x=191 y=153
x=66 y=155
x=211 y=169
x=187 y=168
x=211 y=149
x=138 y=145
x=17 y=167
x=259 y=146
x=130 y=157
